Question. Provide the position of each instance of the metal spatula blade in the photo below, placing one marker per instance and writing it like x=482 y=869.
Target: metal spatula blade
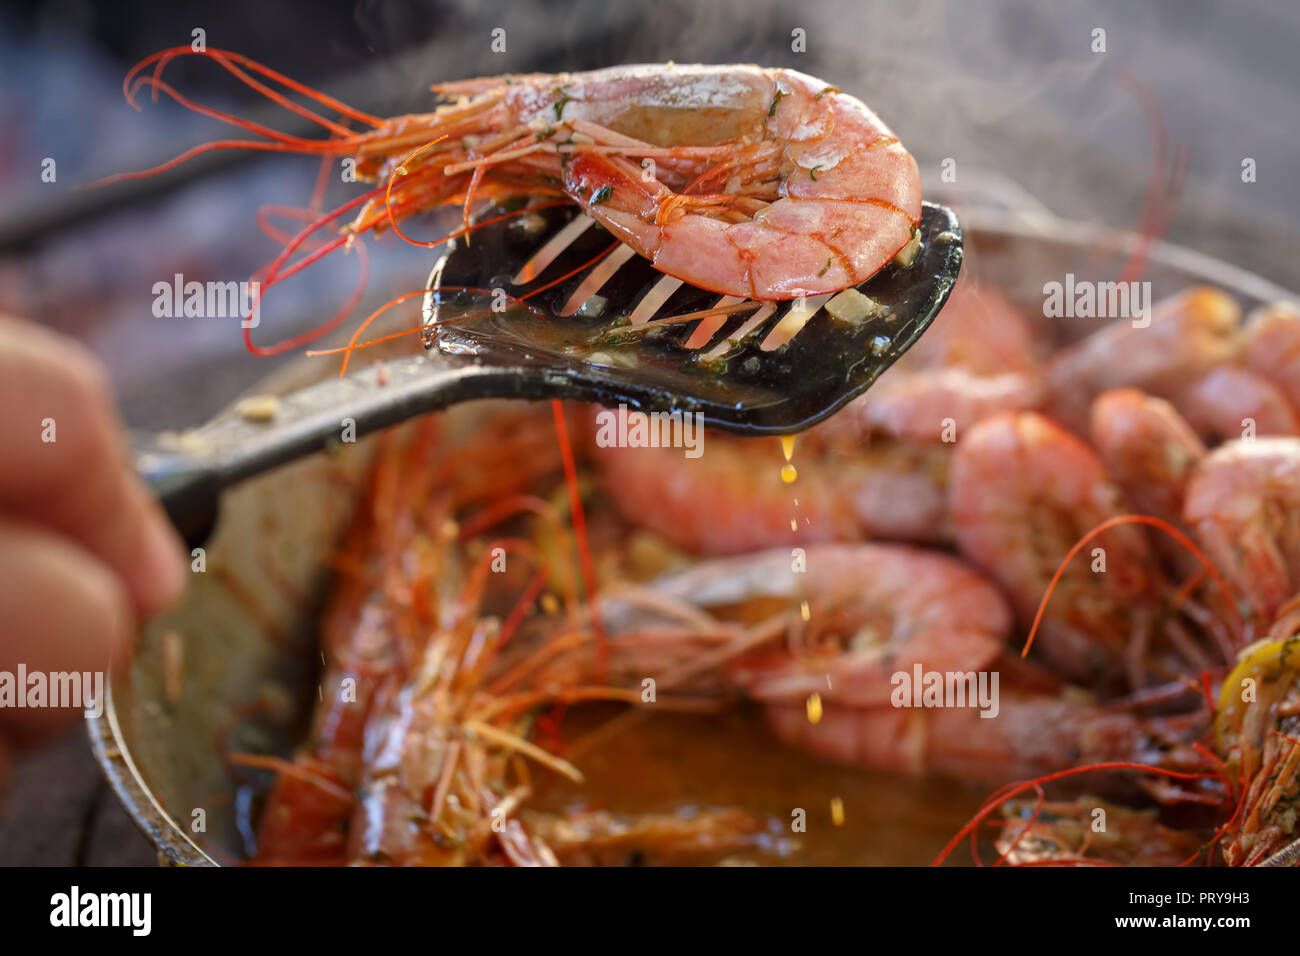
x=607 y=331
x=602 y=334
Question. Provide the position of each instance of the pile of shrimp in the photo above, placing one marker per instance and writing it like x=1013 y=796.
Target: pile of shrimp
x=450 y=642
x=1130 y=573
x=1111 y=526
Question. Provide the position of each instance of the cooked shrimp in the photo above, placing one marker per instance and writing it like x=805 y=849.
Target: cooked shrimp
x=1023 y=492
x=1188 y=335
x=979 y=357
x=732 y=499
x=807 y=191
x=874 y=609
x=941 y=404
x=1147 y=447
x=1230 y=402
x=1150 y=450
x=1272 y=347
x=1243 y=500
x=879 y=610
x=367 y=636
x=404 y=644
x=1033 y=733
x=759 y=183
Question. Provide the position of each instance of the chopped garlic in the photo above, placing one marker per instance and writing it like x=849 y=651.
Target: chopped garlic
x=907 y=255
x=615 y=359
x=593 y=308
x=853 y=307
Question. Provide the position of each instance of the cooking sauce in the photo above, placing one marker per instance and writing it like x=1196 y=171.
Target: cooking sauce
x=672 y=760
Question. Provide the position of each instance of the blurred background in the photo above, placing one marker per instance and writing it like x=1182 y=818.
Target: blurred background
x=1024 y=100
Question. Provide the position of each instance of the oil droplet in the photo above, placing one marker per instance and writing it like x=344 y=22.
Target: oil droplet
x=814 y=707
x=837 y=811
x=805 y=611
x=794 y=525
x=788 y=473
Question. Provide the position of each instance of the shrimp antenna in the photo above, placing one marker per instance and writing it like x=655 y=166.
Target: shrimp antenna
x=1151 y=521
x=1012 y=790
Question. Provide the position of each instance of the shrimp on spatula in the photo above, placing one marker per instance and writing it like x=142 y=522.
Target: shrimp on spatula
x=749 y=244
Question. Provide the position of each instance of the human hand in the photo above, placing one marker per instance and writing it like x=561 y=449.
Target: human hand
x=85 y=549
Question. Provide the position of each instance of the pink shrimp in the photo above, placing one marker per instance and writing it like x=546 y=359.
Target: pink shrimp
x=731 y=499
x=878 y=611
x=1150 y=450
x=1033 y=733
x=806 y=192
x=1147 y=447
x=979 y=357
x=877 y=607
x=1272 y=347
x=1023 y=491
x=1188 y=335
x=941 y=404
x=368 y=639
x=1228 y=402
x=760 y=183
x=1243 y=500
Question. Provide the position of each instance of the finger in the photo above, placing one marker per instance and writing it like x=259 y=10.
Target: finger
x=64 y=612
x=65 y=465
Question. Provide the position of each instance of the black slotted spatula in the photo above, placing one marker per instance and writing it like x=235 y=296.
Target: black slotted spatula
x=604 y=332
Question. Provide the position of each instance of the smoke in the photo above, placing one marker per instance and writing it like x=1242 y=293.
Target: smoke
x=1008 y=88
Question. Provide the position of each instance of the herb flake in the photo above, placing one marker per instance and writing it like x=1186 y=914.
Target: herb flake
x=562 y=102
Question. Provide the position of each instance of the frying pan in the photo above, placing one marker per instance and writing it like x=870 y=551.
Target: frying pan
x=245 y=636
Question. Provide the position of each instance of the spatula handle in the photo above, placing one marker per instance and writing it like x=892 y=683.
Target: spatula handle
x=189 y=474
